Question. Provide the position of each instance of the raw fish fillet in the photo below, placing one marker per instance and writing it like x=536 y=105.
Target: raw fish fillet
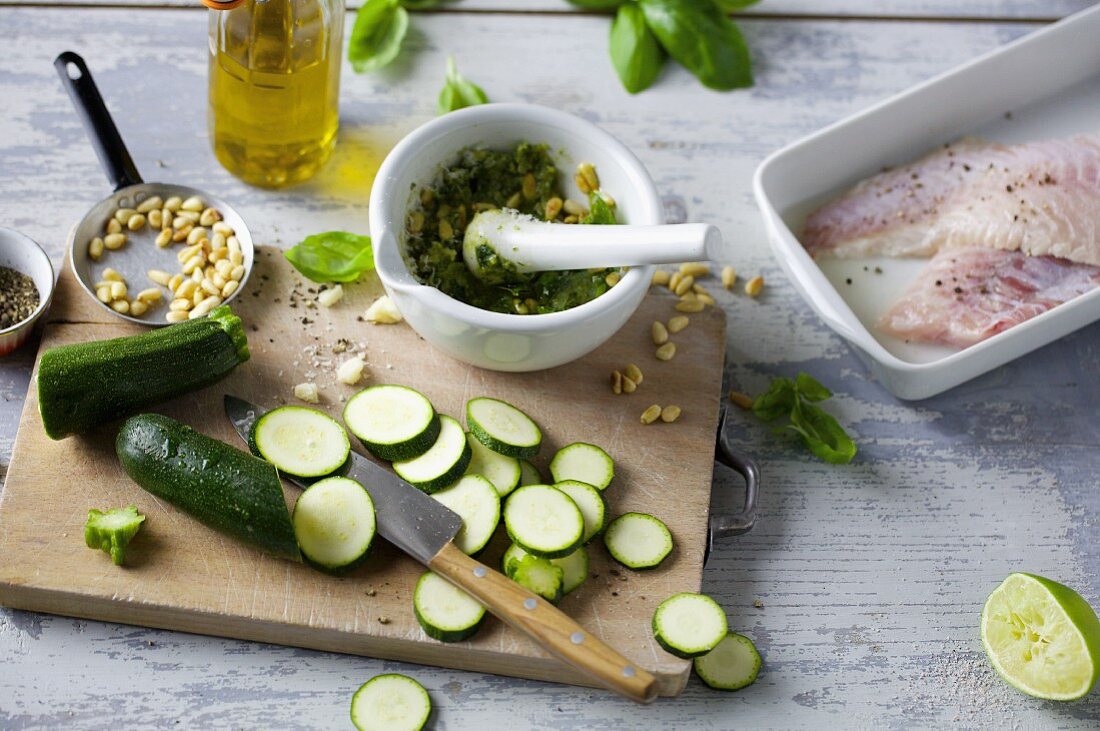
x=1041 y=198
x=967 y=295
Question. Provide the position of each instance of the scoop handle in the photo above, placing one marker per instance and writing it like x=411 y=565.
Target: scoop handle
x=552 y=248
x=113 y=156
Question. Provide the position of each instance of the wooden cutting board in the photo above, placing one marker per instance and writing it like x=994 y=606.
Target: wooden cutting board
x=181 y=575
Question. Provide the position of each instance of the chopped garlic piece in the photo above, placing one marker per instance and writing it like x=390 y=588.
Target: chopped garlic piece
x=383 y=312
x=307 y=392
x=350 y=371
x=331 y=296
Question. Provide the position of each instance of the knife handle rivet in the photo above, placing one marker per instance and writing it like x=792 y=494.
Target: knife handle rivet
x=576 y=638
x=479 y=572
x=529 y=604
x=628 y=672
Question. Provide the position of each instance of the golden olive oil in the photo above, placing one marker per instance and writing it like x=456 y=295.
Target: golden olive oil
x=274 y=88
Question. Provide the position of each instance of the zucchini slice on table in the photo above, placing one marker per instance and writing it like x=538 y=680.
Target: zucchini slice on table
x=503 y=472
x=334 y=522
x=444 y=462
x=731 y=665
x=475 y=500
x=638 y=540
x=574 y=566
x=503 y=428
x=301 y=442
x=227 y=489
x=529 y=474
x=390 y=702
x=689 y=625
x=393 y=422
x=446 y=613
x=584 y=463
x=592 y=504
x=86 y=384
x=544 y=521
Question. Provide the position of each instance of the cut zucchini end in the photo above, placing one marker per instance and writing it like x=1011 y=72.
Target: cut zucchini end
x=638 y=541
x=445 y=612
x=539 y=575
x=234 y=328
x=733 y=664
x=574 y=566
x=301 y=442
x=689 y=625
x=544 y=521
x=394 y=423
x=334 y=522
x=390 y=702
x=583 y=462
x=503 y=428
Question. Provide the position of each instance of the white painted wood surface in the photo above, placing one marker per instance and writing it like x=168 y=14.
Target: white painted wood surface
x=871 y=576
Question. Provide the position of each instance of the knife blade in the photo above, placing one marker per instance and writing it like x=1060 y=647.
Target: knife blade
x=425 y=529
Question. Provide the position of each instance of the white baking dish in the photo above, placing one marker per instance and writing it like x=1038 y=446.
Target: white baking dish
x=1044 y=85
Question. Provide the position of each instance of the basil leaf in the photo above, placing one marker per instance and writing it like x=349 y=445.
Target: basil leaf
x=334 y=256
x=380 y=27
x=730 y=6
x=598 y=4
x=635 y=54
x=458 y=91
x=598 y=210
x=778 y=400
x=822 y=434
x=702 y=39
x=810 y=388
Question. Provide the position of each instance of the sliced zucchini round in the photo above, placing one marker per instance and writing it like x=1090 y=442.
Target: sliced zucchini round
x=446 y=613
x=539 y=575
x=442 y=464
x=334 y=523
x=689 y=625
x=638 y=540
x=529 y=474
x=503 y=428
x=584 y=463
x=476 y=501
x=574 y=566
x=390 y=702
x=393 y=422
x=301 y=442
x=503 y=472
x=592 y=503
x=731 y=665
x=544 y=521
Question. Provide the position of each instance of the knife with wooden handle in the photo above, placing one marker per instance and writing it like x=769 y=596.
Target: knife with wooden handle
x=425 y=529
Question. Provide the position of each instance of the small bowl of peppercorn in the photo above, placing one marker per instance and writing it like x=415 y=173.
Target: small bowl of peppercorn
x=26 y=287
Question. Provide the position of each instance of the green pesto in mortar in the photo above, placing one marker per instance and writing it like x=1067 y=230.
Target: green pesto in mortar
x=483 y=179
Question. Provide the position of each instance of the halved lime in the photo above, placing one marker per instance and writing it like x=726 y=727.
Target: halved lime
x=1042 y=637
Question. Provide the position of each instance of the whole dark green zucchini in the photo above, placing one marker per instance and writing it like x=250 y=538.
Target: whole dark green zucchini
x=225 y=488
x=86 y=384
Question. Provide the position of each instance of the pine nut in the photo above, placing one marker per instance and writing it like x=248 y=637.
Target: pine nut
x=741 y=399
x=612 y=279
x=118 y=290
x=174 y=282
x=223 y=228
x=530 y=187
x=553 y=208
x=238 y=273
x=114 y=227
x=180 y=234
x=195 y=235
x=754 y=286
x=651 y=414
x=173 y=204
x=678 y=323
x=95 y=249
x=189 y=216
x=138 y=308
x=616 y=382
x=223 y=267
x=695 y=268
x=195 y=262
x=729 y=276
x=209 y=217
x=446 y=231
x=699 y=289
x=103 y=293
x=674 y=280
x=514 y=200
x=666 y=351
x=114 y=241
x=186 y=288
x=187 y=252
x=234 y=244
x=659 y=333
x=427 y=196
x=570 y=219
x=660 y=277
x=164 y=238
x=198 y=275
x=166 y=218
x=121 y=306
x=634 y=373
x=203 y=308
x=193 y=204
x=181 y=304
x=158 y=276
x=217 y=240
x=690 y=305
x=155 y=218
x=135 y=222
x=198 y=297
x=607 y=199
x=573 y=208
x=670 y=414
x=218 y=280
x=706 y=299
x=329 y=297
x=629 y=385
x=684 y=285
x=149 y=296
x=582 y=184
x=150 y=204
x=219 y=255
x=110 y=275
x=588 y=172
x=122 y=215
x=229 y=288
x=176 y=316
x=210 y=288
x=236 y=257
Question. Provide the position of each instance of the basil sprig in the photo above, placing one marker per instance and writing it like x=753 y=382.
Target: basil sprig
x=635 y=54
x=333 y=256
x=817 y=429
x=458 y=91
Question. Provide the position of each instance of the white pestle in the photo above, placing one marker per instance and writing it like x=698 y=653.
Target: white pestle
x=530 y=245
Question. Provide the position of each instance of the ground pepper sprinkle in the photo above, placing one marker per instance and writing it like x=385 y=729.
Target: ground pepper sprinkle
x=18 y=297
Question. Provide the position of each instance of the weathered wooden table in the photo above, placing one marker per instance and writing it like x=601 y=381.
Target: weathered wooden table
x=861 y=585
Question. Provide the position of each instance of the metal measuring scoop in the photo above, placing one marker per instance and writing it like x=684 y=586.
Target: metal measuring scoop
x=140 y=254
